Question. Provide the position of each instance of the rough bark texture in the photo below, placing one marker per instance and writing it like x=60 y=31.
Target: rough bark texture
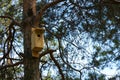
x=31 y=65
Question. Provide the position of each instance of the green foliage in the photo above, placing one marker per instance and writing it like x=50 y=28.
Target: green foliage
x=85 y=34
x=95 y=76
x=10 y=73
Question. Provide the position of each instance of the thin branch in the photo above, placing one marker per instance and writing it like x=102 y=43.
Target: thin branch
x=9 y=17
x=101 y=3
x=117 y=0
x=68 y=64
x=14 y=21
x=48 y=6
x=14 y=59
x=11 y=65
x=40 y=14
x=46 y=52
x=58 y=66
x=9 y=41
x=57 y=36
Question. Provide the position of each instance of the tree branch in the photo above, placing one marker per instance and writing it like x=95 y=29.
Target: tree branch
x=40 y=14
x=11 y=65
x=58 y=66
x=117 y=1
x=46 y=52
x=14 y=21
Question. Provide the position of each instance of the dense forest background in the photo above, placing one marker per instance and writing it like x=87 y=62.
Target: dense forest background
x=82 y=40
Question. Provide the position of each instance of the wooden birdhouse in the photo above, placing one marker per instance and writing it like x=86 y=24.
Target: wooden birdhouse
x=37 y=41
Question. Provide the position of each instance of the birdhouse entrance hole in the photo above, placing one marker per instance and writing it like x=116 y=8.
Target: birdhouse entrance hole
x=38 y=35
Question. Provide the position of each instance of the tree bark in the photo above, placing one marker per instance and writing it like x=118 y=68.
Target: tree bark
x=31 y=64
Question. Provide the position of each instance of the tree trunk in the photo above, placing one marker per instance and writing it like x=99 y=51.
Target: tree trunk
x=31 y=65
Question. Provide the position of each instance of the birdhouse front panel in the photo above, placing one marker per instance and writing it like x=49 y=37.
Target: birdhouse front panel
x=37 y=39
